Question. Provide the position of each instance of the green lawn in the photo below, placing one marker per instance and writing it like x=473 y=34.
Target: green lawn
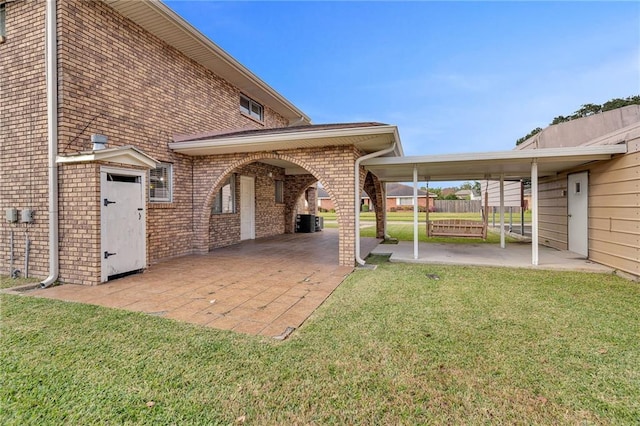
x=404 y=232
x=407 y=216
x=403 y=344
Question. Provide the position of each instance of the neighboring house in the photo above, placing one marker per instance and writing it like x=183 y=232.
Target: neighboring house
x=467 y=194
x=128 y=137
x=398 y=197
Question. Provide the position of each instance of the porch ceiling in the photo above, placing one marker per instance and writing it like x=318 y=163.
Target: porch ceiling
x=514 y=165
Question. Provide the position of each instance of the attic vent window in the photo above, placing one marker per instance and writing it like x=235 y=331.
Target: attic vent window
x=251 y=108
x=2 y=23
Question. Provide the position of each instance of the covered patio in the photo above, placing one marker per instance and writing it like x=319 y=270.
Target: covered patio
x=518 y=256
x=499 y=166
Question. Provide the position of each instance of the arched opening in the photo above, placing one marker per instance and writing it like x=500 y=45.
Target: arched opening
x=279 y=183
x=377 y=203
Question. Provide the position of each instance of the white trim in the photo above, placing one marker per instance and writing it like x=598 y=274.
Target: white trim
x=534 y=212
x=514 y=165
x=551 y=154
x=124 y=155
x=260 y=142
x=415 y=211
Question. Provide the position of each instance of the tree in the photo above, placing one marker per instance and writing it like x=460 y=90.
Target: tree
x=531 y=133
x=587 y=110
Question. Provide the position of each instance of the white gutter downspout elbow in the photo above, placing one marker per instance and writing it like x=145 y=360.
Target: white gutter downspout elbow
x=52 y=138
x=360 y=261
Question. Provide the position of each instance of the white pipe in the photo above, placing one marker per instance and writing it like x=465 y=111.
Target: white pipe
x=52 y=137
x=534 y=212
x=359 y=195
x=384 y=211
x=502 y=242
x=415 y=211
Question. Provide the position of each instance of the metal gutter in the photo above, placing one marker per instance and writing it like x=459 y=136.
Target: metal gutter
x=52 y=139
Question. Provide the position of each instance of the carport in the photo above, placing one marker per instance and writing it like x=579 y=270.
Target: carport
x=502 y=166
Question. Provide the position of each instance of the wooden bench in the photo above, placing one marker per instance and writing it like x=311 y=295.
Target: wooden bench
x=456 y=228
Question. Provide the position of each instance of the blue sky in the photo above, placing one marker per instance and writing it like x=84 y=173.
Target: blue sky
x=453 y=76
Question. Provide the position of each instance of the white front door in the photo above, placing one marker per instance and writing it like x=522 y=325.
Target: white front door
x=123 y=222
x=578 y=204
x=247 y=208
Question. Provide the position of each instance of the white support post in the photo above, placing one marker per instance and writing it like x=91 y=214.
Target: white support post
x=502 y=239
x=534 y=212
x=415 y=211
x=384 y=210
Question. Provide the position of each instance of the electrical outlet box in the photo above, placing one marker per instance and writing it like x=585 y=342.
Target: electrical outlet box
x=12 y=215
x=26 y=216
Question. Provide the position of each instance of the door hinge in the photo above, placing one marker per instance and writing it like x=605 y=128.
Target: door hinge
x=107 y=254
x=107 y=202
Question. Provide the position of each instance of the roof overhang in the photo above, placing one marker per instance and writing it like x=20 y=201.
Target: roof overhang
x=121 y=155
x=366 y=139
x=164 y=23
x=513 y=165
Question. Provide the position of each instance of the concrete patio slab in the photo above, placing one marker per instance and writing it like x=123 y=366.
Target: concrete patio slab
x=258 y=287
x=515 y=255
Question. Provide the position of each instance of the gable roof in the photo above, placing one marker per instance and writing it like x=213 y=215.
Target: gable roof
x=164 y=23
x=401 y=190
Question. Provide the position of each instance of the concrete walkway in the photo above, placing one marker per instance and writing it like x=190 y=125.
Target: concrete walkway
x=515 y=255
x=259 y=287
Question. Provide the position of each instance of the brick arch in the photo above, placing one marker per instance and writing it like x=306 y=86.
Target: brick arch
x=201 y=239
x=297 y=185
x=373 y=187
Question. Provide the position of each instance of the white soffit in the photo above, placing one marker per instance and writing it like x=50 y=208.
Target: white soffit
x=164 y=23
x=488 y=165
x=121 y=155
x=367 y=139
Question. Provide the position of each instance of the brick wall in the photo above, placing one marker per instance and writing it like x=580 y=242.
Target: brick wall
x=79 y=223
x=331 y=166
x=224 y=229
x=118 y=80
x=23 y=136
x=114 y=79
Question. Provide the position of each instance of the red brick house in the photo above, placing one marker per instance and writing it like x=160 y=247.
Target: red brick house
x=398 y=197
x=128 y=137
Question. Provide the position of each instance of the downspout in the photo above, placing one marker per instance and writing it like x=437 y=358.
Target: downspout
x=52 y=136
x=360 y=261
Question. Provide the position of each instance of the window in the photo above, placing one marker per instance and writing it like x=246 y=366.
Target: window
x=2 y=23
x=404 y=201
x=225 y=201
x=251 y=108
x=160 y=187
x=279 y=191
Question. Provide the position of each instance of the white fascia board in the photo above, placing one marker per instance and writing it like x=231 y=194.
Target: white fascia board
x=125 y=155
x=263 y=139
x=548 y=154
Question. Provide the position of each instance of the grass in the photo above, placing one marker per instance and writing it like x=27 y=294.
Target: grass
x=6 y=282
x=404 y=344
x=404 y=232
x=407 y=216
